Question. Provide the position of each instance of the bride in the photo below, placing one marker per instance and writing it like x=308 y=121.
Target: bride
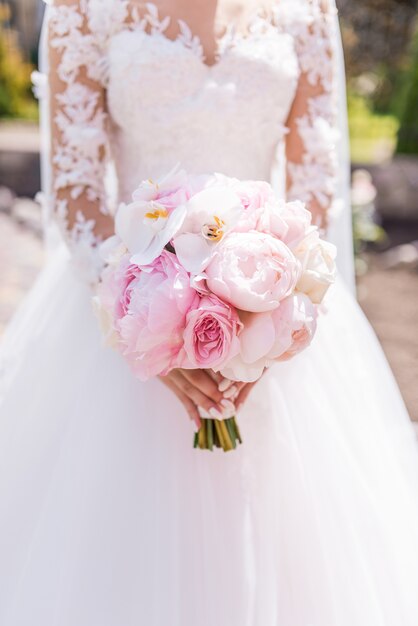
x=108 y=516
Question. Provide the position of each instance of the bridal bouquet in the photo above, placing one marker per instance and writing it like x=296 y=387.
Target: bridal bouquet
x=215 y=273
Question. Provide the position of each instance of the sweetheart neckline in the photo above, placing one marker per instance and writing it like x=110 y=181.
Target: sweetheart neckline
x=260 y=19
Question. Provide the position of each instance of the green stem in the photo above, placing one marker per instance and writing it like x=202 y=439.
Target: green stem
x=218 y=428
x=227 y=439
x=217 y=433
x=209 y=434
x=229 y=423
x=237 y=430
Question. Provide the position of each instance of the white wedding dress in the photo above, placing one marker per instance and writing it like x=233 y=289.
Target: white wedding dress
x=108 y=516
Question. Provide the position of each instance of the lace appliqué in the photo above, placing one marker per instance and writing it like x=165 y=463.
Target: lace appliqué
x=107 y=18
x=80 y=148
x=313 y=29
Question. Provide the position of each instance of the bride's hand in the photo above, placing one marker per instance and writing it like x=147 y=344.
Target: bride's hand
x=206 y=389
x=196 y=388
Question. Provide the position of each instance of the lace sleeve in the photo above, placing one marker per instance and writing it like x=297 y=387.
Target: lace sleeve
x=77 y=124
x=311 y=141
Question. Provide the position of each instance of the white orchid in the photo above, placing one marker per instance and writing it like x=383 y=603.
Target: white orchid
x=210 y=215
x=155 y=215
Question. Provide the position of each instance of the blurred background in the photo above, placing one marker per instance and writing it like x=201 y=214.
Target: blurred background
x=381 y=51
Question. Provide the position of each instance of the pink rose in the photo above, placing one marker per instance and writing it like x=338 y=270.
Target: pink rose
x=252 y=271
x=152 y=330
x=211 y=334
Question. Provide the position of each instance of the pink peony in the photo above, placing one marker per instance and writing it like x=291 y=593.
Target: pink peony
x=271 y=219
x=211 y=334
x=252 y=271
x=152 y=330
x=114 y=289
x=300 y=316
x=274 y=336
x=253 y=194
x=122 y=303
x=299 y=222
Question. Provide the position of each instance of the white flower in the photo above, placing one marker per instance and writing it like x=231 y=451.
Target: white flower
x=157 y=212
x=111 y=250
x=147 y=227
x=318 y=266
x=211 y=213
x=110 y=337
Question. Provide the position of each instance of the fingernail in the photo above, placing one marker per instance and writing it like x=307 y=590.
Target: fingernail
x=227 y=404
x=215 y=413
x=230 y=392
x=224 y=384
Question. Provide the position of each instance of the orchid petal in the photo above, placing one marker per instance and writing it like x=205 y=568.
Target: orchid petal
x=130 y=228
x=193 y=252
x=160 y=238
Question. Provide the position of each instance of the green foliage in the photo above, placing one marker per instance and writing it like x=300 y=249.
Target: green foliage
x=408 y=130
x=16 y=98
x=376 y=35
x=372 y=135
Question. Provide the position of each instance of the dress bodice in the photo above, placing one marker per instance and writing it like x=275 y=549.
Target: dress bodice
x=167 y=105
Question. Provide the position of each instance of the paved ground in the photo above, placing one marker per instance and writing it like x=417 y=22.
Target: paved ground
x=389 y=297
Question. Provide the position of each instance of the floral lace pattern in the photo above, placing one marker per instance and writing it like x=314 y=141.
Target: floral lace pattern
x=79 y=137
x=312 y=25
x=217 y=107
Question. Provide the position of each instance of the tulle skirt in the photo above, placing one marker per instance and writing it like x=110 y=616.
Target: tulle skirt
x=109 y=517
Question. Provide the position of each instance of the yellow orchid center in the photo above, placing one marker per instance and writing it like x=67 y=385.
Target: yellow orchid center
x=214 y=232
x=154 y=215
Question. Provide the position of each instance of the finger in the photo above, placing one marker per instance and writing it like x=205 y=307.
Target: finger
x=191 y=408
x=232 y=393
x=225 y=384
x=243 y=394
x=222 y=382
x=204 y=382
x=217 y=376
x=195 y=395
x=233 y=390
